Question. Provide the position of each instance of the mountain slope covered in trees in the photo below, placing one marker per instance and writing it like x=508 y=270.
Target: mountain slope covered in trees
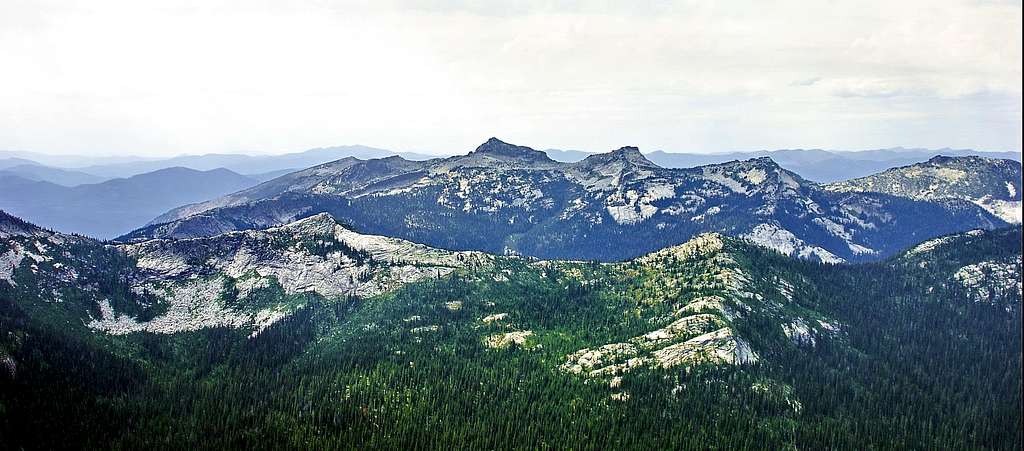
x=713 y=343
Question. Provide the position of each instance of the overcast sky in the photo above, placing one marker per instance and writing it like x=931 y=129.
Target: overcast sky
x=111 y=77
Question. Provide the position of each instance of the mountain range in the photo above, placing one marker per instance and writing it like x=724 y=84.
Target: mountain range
x=252 y=165
x=40 y=173
x=828 y=165
x=113 y=207
x=248 y=164
x=313 y=335
x=505 y=198
x=813 y=164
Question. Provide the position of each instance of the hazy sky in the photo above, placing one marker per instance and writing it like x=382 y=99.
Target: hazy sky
x=117 y=77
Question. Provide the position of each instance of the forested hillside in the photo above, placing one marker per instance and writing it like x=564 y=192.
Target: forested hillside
x=716 y=343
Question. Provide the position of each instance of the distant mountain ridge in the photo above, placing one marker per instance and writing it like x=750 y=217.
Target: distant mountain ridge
x=826 y=165
x=813 y=164
x=113 y=207
x=63 y=177
x=503 y=198
x=243 y=164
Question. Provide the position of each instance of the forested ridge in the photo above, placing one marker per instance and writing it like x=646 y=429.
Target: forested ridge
x=896 y=354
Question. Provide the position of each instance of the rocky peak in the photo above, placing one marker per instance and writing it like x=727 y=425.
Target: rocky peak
x=941 y=159
x=626 y=157
x=632 y=155
x=764 y=164
x=497 y=148
x=339 y=163
x=965 y=160
x=319 y=222
x=761 y=174
x=701 y=245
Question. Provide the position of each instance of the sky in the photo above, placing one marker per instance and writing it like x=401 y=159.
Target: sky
x=172 y=77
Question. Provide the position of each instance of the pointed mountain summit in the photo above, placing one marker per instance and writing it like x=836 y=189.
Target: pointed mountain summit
x=495 y=153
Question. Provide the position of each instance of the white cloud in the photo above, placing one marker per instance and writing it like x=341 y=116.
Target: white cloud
x=441 y=76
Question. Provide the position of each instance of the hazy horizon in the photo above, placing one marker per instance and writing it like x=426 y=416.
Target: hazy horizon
x=113 y=77
x=28 y=154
